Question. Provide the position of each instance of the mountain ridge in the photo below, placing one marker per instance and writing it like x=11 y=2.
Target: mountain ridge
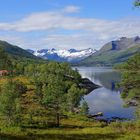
x=62 y=55
x=15 y=51
x=114 y=52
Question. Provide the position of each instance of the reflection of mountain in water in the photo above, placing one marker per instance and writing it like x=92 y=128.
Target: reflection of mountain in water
x=108 y=79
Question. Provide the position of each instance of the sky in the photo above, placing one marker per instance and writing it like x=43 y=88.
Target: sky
x=66 y=24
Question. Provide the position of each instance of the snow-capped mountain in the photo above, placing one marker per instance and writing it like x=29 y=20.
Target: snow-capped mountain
x=71 y=55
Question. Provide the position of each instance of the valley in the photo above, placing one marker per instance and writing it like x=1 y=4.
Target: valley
x=114 y=52
x=70 y=70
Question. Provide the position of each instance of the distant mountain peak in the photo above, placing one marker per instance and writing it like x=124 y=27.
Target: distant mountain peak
x=61 y=55
x=124 y=43
x=137 y=38
x=123 y=38
x=72 y=50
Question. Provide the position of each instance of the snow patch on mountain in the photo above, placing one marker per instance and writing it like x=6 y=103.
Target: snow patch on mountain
x=71 y=55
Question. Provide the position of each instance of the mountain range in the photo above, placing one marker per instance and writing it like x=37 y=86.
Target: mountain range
x=114 y=52
x=61 y=55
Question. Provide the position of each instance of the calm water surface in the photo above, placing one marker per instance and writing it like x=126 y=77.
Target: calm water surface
x=106 y=99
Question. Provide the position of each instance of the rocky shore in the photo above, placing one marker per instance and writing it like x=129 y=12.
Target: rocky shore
x=88 y=84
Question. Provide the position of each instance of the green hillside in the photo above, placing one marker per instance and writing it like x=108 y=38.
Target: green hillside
x=114 y=52
x=15 y=51
x=15 y=58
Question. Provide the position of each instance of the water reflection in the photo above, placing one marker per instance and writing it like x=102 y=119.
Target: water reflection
x=108 y=79
x=107 y=98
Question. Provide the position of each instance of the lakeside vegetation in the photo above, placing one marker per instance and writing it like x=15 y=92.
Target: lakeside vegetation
x=131 y=77
x=131 y=82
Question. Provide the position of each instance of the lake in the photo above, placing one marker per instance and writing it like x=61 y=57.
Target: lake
x=107 y=98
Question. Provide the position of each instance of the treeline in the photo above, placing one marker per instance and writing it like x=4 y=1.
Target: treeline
x=5 y=62
x=131 y=81
x=131 y=77
x=15 y=63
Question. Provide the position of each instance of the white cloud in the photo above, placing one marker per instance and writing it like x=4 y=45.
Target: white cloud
x=71 y=9
x=62 y=20
x=59 y=41
x=95 y=32
x=77 y=41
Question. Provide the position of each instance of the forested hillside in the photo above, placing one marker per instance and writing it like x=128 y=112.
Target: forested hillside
x=13 y=57
x=33 y=93
x=15 y=51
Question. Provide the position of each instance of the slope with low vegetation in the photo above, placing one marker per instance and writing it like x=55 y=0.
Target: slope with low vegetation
x=15 y=51
x=114 y=52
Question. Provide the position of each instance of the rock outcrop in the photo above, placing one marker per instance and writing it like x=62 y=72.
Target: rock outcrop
x=87 y=84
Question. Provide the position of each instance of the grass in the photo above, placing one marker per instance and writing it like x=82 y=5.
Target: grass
x=75 y=129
